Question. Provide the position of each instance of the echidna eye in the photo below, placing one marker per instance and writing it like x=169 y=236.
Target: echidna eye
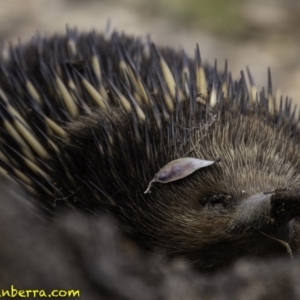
x=216 y=200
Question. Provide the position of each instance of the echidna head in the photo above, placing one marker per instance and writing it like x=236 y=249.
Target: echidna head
x=244 y=205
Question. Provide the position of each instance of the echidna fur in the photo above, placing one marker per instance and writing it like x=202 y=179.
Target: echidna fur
x=88 y=119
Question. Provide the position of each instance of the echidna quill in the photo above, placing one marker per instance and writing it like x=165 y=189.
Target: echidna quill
x=93 y=121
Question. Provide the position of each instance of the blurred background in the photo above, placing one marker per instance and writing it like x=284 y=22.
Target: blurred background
x=256 y=33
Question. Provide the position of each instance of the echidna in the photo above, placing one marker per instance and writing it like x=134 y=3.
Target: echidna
x=190 y=162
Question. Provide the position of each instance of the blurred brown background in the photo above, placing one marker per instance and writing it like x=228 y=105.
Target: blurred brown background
x=252 y=33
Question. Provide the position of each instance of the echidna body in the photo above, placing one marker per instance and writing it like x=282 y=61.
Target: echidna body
x=87 y=120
